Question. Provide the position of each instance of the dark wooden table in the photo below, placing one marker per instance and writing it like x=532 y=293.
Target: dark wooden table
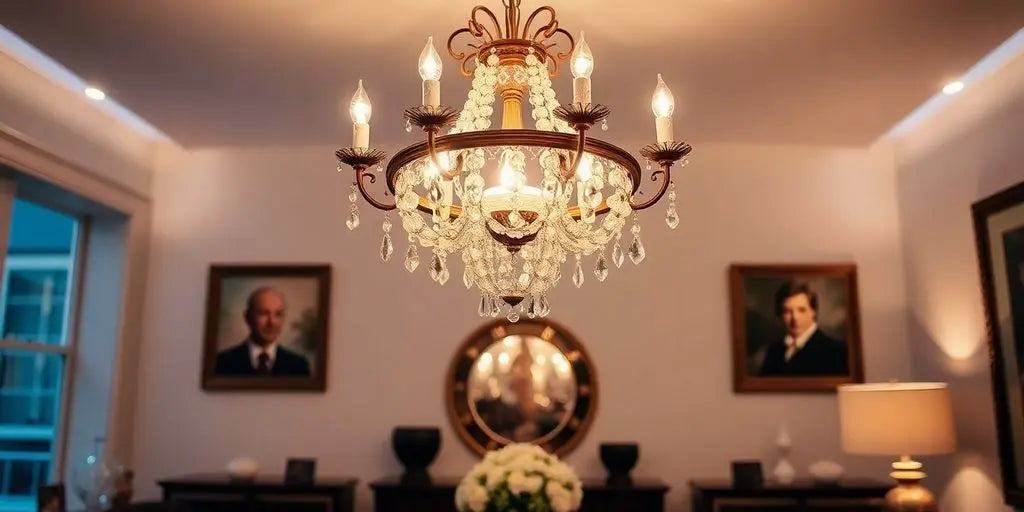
x=393 y=495
x=218 y=492
x=850 y=495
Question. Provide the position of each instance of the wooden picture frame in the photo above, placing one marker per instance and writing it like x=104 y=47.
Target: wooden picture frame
x=765 y=297
x=552 y=345
x=300 y=471
x=999 y=235
x=292 y=308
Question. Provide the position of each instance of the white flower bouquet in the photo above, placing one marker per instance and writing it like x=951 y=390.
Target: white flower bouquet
x=519 y=478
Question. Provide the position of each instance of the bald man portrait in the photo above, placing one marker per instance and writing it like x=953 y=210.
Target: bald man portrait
x=260 y=353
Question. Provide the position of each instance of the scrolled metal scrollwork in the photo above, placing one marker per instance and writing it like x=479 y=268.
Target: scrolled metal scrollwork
x=485 y=35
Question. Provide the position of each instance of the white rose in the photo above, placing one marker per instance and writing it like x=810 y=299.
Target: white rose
x=533 y=466
x=502 y=457
x=517 y=482
x=557 y=473
x=479 y=471
x=577 y=496
x=553 y=489
x=495 y=477
x=533 y=484
x=561 y=503
x=460 y=497
x=476 y=498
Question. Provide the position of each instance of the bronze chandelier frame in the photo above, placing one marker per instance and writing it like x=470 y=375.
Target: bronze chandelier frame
x=512 y=44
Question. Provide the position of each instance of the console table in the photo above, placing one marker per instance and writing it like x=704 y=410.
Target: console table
x=217 y=492
x=850 y=495
x=438 y=495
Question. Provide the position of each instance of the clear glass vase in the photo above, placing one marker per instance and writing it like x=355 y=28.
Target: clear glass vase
x=95 y=479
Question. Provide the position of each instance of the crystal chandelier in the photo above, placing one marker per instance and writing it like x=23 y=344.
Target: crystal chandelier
x=515 y=203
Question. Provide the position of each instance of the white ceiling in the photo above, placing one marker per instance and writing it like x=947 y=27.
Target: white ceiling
x=272 y=72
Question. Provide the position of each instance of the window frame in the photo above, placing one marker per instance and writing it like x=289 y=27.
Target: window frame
x=115 y=194
x=67 y=350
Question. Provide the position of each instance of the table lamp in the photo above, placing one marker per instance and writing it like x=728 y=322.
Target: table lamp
x=899 y=419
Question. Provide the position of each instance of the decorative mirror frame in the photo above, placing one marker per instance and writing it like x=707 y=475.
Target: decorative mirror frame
x=479 y=439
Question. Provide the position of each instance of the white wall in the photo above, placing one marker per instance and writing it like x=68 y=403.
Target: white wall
x=968 y=151
x=659 y=333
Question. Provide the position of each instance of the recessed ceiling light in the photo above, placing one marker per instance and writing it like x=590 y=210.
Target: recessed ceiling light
x=953 y=87
x=95 y=94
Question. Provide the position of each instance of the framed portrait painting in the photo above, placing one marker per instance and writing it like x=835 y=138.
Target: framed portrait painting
x=266 y=327
x=795 y=327
x=999 y=232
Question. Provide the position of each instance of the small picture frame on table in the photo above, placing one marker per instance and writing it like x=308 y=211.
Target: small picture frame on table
x=747 y=474
x=300 y=471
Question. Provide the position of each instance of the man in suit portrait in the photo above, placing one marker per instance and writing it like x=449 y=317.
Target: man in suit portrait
x=805 y=350
x=260 y=353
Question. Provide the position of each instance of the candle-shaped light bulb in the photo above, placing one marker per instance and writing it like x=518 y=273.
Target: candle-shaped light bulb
x=582 y=59
x=586 y=168
x=430 y=62
x=663 y=104
x=582 y=64
x=430 y=71
x=361 y=111
x=431 y=172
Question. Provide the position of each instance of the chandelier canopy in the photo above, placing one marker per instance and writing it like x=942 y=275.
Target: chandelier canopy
x=551 y=192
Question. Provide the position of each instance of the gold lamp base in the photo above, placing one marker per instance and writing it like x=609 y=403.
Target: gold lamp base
x=909 y=495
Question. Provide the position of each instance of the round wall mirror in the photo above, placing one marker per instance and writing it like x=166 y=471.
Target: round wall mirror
x=524 y=382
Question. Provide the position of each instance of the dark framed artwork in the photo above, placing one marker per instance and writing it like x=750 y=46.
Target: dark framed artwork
x=300 y=471
x=795 y=327
x=266 y=327
x=999 y=233
x=530 y=381
x=747 y=474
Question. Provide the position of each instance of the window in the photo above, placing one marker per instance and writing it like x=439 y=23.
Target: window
x=36 y=308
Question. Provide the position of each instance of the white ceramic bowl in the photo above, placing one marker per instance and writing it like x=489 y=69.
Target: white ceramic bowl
x=826 y=472
x=243 y=468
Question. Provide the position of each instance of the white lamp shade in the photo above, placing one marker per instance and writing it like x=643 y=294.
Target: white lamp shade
x=905 y=418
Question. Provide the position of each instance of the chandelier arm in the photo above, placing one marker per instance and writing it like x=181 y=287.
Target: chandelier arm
x=445 y=173
x=581 y=142
x=667 y=173
x=361 y=175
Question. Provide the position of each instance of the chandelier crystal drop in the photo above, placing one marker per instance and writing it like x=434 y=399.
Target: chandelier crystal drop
x=513 y=203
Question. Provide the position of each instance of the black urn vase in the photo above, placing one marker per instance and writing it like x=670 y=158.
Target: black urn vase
x=619 y=459
x=416 y=448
